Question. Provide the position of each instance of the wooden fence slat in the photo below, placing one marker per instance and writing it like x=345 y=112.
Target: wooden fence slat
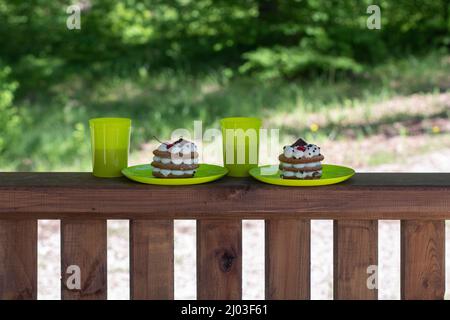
x=83 y=244
x=288 y=264
x=355 y=249
x=18 y=260
x=219 y=259
x=151 y=259
x=422 y=260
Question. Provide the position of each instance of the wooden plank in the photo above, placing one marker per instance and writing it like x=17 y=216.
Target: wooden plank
x=151 y=261
x=18 y=260
x=422 y=260
x=288 y=259
x=219 y=259
x=364 y=197
x=83 y=244
x=88 y=181
x=355 y=249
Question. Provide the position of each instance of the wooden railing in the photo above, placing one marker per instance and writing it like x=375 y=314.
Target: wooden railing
x=84 y=203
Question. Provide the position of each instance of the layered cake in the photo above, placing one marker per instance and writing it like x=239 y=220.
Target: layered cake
x=301 y=160
x=175 y=160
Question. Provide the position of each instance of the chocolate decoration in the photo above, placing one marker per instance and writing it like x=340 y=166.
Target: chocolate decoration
x=299 y=142
x=170 y=145
x=176 y=142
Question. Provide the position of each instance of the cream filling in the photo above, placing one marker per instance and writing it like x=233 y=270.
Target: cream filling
x=300 y=165
x=176 y=161
x=300 y=174
x=166 y=172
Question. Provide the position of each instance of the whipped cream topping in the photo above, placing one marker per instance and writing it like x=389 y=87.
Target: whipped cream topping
x=176 y=161
x=184 y=147
x=288 y=151
x=312 y=151
x=300 y=174
x=166 y=172
x=162 y=147
x=297 y=152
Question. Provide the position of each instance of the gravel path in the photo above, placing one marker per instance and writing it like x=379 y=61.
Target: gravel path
x=433 y=162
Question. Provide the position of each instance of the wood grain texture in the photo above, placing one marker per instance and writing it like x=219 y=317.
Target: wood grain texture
x=151 y=261
x=422 y=260
x=219 y=259
x=355 y=249
x=83 y=243
x=288 y=259
x=364 y=197
x=18 y=260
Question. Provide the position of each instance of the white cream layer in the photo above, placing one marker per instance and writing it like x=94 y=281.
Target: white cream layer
x=300 y=174
x=166 y=172
x=301 y=165
x=176 y=161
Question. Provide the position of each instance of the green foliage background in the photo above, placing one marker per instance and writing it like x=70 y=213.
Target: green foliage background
x=151 y=60
x=288 y=37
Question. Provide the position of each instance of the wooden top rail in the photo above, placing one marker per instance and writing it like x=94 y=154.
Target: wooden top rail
x=423 y=196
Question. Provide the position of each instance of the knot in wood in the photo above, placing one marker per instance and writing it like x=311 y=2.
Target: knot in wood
x=238 y=193
x=226 y=259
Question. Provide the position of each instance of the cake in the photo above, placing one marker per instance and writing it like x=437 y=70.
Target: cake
x=301 y=160
x=175 y=160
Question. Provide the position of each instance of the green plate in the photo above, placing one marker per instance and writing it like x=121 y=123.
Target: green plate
x=205 y=173
x=331 y=174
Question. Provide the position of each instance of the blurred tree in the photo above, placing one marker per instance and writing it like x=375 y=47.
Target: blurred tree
x=268 y=37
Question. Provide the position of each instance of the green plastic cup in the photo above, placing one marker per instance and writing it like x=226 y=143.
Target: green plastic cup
x=240 y=138
x=110 y=142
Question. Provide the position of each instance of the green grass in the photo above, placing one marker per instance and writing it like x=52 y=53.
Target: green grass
x=55 y=135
